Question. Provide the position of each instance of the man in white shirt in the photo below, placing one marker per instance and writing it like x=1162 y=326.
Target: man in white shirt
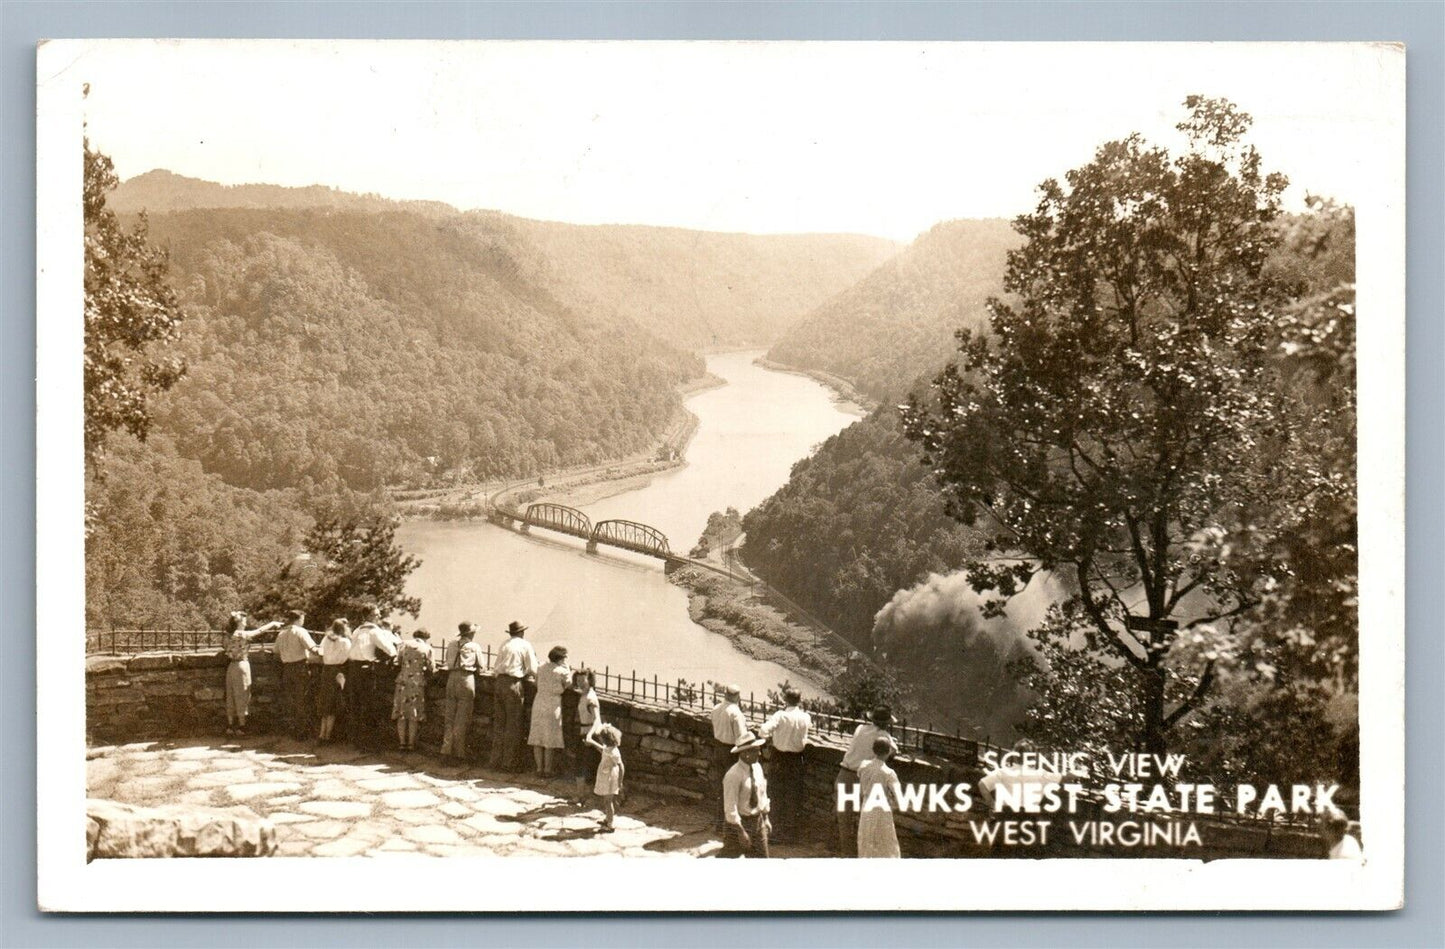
x=860 y=749
x=370 y=642
x=745 y=802
x=296 y=650
x=728 y=725
x=788 y=728
x=516 y=663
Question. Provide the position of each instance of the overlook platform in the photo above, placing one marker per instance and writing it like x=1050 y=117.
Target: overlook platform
x=333 y=801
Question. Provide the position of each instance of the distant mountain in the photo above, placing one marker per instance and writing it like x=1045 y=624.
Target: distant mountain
x=898 y=322
x=702 y=289
x=160 y=191
x=695 y=289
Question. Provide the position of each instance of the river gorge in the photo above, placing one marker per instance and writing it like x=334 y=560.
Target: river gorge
x=612 y=609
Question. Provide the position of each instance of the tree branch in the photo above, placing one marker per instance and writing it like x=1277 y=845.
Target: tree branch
x=1185 y=707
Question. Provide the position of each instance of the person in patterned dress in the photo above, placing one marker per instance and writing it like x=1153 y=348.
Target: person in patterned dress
x=238 y=673
x=414 y=669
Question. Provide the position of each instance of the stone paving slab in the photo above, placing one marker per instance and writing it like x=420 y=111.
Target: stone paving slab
x=335 y=801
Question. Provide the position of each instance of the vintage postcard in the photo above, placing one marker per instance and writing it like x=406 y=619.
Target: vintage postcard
x=618 y=476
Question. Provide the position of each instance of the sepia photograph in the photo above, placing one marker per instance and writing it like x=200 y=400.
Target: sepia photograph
x=631 y=464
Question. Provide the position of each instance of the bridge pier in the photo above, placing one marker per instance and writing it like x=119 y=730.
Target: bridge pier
x=591 y=545
x=523 y=527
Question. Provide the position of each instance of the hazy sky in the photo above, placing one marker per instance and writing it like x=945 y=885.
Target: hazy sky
x=884 y=139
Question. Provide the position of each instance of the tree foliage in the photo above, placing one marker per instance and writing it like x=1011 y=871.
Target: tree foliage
x=351 y=562
x=1127 y=423
x=130 y=314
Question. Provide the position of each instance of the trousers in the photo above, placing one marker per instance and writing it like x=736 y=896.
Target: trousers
x=295 y=678
x=785 y=788
x=508 y=729
x=461 y=701
x=757 y=828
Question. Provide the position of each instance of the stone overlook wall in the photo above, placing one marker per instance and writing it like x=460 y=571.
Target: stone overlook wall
x=171 y=695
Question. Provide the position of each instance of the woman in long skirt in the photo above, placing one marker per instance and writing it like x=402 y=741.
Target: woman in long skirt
x=238 y=673
x=876 y=834
x=545 y=735
x=331 y=696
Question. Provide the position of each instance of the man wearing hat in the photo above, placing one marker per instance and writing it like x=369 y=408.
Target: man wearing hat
x=745 y=801
x=728 y=725
x=860 y=749
x=515 y=664
x=371 y=644
x=295 y=649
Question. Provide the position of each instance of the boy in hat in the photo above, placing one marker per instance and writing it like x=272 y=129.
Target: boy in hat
x=745 y=801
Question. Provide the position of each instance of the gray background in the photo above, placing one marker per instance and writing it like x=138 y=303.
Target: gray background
x=1420 y=25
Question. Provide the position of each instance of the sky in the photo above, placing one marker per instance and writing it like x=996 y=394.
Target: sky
x=885 y=139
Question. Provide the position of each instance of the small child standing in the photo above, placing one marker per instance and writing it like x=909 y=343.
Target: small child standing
x=609 y=770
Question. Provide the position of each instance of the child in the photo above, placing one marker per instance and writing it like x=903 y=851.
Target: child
x=609 y=770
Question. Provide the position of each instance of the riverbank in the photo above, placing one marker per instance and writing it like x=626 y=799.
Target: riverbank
x=848 y=397
x=728 y=608
x=574 y=487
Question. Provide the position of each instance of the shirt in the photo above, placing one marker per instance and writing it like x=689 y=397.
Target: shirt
x=789 y=728
x=588 y=709
x=335 y=650
x=728 y=723
x=745 y=792
x=516 y=658
x=464 y=656
x=861 y=748
x=294 y=643
x=369 y=639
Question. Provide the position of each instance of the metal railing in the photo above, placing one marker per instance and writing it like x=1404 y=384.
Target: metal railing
x=121 y=642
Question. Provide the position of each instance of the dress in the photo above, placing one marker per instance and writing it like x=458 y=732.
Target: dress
x=238 y=676
x=609 y=773
x=408 y=701
x=876 y=835
x=546 y=731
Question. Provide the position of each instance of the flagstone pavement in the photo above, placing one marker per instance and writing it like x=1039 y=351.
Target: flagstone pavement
x=334 y=801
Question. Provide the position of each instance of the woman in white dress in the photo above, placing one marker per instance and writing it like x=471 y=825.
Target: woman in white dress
x=878 y=784
x=545 y=735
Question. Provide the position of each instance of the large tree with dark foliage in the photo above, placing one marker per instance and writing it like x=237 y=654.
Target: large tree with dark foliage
x=130 y=312
x=1126 y=424
x=351 y=561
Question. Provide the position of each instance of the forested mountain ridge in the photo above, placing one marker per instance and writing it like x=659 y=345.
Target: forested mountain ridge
x=383 y=348
x=695 y=289
x=899 y=320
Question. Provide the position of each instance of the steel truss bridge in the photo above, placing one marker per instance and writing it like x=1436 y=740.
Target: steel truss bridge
x=627 y=535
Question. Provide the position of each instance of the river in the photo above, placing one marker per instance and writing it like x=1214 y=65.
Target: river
x=612 y=609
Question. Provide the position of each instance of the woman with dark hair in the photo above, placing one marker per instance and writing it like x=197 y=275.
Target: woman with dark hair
x=545 y=735
x=589 y=720
x=408 y=703
x=238 y=673
x=331 y=696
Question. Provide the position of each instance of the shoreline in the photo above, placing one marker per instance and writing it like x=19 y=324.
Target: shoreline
x=568 y=485
x=728 y=608
x=849 y=398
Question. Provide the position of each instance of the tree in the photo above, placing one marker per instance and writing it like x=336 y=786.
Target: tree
x=1125 y=425
x=129 y=310
x=352 y=561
